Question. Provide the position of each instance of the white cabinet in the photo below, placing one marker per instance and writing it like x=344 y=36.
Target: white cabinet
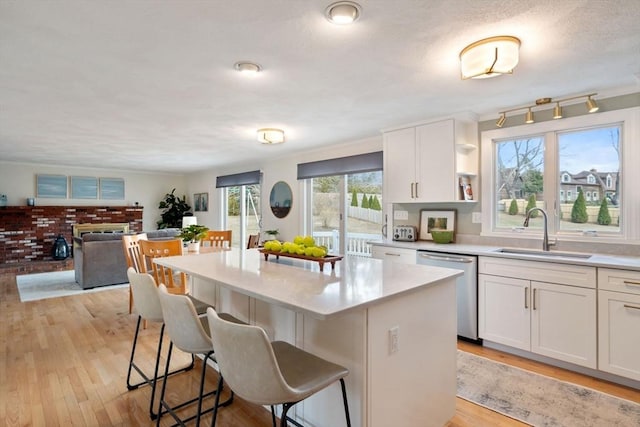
x=545 y=308
x=424 y=163
x=619 y=322
x=405 y=256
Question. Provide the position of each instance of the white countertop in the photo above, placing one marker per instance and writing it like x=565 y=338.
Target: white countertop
x=596 y=260
x=299 y=285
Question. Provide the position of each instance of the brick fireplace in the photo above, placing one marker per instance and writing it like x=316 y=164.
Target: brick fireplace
x=27 y=233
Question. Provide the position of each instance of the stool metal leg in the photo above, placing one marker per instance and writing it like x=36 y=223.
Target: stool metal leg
x=151 y=381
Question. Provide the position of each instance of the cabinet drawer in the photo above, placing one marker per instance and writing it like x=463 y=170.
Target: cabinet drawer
x=549 y=272
x=405 y=256
x=619 y=280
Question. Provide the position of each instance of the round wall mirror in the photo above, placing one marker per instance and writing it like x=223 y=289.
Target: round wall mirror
x=280 y=199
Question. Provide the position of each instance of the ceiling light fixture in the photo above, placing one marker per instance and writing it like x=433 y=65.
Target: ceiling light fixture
x=557 y=111
x=489 y=57
x=271 y=136
x=592 y=107
x=248 y=68
x=529 y=117
x=343 y=12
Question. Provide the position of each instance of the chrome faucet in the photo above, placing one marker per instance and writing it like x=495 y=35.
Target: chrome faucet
x=545 y=237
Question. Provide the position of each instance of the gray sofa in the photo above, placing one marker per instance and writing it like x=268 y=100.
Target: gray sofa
x=99 y=257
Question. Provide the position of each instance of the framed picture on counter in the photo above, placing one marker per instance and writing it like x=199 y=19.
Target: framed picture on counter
x=436 y=220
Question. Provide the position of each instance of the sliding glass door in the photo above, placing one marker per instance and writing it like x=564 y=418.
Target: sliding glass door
x=242 y=212
x=346 y=211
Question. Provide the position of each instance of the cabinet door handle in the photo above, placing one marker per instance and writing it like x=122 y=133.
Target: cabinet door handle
x=534 y=299
x=417 y=191
x=526 y=299
x=631 y=282
x=631 y=306
x=412 y=190
x=390 y=254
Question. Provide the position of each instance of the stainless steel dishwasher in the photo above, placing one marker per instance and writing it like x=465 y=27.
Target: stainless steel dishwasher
x=466 y=287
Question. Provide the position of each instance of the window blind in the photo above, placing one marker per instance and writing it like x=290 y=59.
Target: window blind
x=341 y=166
x=237 y=179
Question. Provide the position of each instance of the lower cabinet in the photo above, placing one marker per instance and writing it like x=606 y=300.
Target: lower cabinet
x=619 y=322
x=516 y=308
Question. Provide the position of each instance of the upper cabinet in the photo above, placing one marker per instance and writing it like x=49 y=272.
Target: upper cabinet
x=432 y=162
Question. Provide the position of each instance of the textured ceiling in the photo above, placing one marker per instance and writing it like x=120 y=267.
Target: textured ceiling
x=121 y=84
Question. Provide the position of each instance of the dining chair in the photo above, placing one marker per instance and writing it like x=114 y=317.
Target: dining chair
x=176 y=282
x=254 y=241
x=147 y=304
x=131 y=245
x=217 y=238
x=269 y=373
x=190 y=334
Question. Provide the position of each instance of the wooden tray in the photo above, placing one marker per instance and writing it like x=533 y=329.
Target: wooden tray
x=332 y=259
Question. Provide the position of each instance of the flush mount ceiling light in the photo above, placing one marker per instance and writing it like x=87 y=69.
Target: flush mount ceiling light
x=489 y=57
x=270 y=136
x=592 y=107
x=248 y=68
x=343 y=12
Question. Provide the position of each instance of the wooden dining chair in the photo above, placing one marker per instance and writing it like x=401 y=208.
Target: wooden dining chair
x=131 y=245
x=176 y=282
x=220 y=239
x=254 y=241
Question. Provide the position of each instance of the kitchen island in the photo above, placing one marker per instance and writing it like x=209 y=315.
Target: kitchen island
x=392 y=325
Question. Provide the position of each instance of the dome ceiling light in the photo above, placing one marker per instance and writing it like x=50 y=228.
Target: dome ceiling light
x=489 y=57
x=247 y=68
x=343 y=12
x=271 y=136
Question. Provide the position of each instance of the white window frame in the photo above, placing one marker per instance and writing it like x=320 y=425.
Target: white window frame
x=629 y=119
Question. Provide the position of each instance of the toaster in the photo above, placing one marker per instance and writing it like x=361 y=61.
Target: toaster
x=405 y=233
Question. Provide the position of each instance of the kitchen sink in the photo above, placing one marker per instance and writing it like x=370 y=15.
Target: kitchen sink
x=541 y=253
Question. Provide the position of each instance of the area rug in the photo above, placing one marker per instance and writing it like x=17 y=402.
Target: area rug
x=539 y=400
x=32 y=287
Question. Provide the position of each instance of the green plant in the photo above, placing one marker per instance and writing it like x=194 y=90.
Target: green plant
x=530 y=205
x=354 y=198
x=174 y=209
x=193 y=233
x=604 y=218
x=579 y=210
x=513 y=207
x=365 y=202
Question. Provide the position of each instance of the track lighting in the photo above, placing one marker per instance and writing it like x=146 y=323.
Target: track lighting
x=592 y=107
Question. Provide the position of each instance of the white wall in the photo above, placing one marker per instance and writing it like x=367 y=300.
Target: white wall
x=18 y=182
x=284 y=169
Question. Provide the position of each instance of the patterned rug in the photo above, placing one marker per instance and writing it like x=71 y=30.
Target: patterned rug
x=539 y=400
x=38 y=286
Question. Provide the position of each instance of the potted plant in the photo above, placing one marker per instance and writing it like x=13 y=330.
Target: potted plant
x=192 y=235
x=174 y=208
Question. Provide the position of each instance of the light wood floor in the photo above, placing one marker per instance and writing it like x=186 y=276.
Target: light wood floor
x=63 y=362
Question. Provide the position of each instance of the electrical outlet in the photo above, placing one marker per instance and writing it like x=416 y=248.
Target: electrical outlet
x=394 y=339
x=401 y=215
x=476 y=217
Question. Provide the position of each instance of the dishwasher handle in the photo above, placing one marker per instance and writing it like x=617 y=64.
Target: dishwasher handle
x=445 y=258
